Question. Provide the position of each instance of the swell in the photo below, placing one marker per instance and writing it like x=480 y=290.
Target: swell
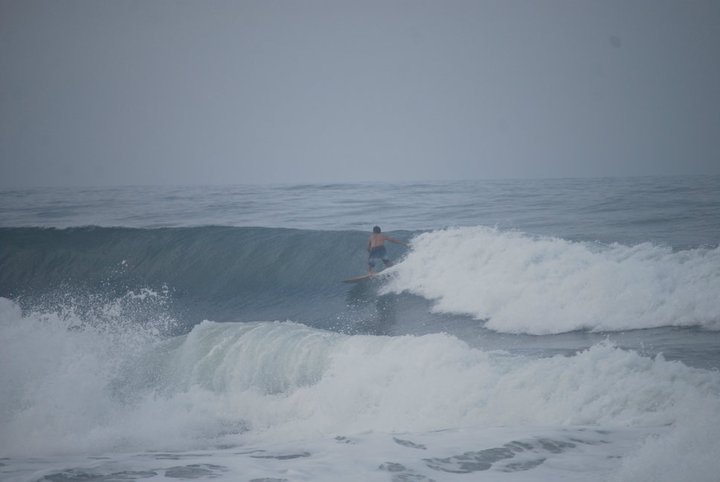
x=209 y=272
x=514 y=282
x=208 y=255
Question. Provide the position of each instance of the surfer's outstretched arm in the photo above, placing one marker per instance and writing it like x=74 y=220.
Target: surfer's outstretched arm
x=393 y=240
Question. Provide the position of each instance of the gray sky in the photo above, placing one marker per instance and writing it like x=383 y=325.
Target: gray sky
x=102 y=92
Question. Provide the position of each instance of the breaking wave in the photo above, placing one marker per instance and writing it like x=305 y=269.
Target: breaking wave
x=88 y=390
x=544 y=285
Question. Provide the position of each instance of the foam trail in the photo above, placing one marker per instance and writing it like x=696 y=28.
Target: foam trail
x=545 y=285
x=689 y=452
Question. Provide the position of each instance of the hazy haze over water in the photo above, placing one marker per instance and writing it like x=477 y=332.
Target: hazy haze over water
x=182 y=92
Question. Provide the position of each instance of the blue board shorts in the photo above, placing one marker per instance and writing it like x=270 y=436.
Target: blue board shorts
x=377 y=253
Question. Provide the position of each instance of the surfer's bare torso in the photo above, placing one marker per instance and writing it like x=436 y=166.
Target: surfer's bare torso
x=376 y=240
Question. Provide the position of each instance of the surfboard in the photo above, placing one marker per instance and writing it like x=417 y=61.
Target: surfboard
x=358 y=279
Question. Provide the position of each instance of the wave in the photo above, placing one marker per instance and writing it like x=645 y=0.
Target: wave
x=512 y=281
x=544 y=285
x=221 y=273
x=87 y=390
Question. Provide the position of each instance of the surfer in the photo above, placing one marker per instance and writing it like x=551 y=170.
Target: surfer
x=376 y=248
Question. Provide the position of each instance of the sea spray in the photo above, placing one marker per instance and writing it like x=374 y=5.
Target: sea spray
x=58 y=370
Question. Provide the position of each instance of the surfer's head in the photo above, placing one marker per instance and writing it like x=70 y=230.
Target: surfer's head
x=376 y=229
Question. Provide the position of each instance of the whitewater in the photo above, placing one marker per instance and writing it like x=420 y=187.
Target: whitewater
x=532 y=331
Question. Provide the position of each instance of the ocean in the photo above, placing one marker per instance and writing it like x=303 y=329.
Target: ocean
x=532 y=330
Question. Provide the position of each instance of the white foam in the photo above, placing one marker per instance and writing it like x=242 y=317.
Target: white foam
x=543 y=285
x=690 y=451
x=434 y=382
x=580 y=455
x=262 y=384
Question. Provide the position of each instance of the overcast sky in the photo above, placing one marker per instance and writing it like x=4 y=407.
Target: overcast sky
x=102 y=92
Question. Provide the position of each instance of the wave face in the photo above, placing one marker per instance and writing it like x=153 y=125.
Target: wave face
x=93 y=389
x=514 y=282
x=544 y=285
x=218 y=273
